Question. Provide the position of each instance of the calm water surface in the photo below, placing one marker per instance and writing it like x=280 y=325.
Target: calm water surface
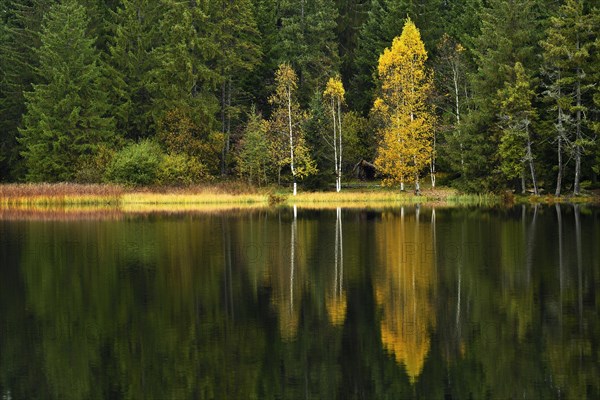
x=399 y=303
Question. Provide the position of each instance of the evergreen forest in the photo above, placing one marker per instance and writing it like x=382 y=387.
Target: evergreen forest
x=481 y=95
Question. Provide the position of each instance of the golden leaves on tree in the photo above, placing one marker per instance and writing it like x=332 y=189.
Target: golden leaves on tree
x=404 y=287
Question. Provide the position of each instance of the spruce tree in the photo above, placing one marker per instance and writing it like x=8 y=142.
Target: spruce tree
x=66 y=117
x=235 y=32
x=135 y=34
x=19 y=37
x=509 y=34
x=568 y=51
x=307 y=41
x=183 y=77
x=516 y=119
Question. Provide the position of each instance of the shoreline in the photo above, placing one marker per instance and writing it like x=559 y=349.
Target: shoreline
x=63 y=195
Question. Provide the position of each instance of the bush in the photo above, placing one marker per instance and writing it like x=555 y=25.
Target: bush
x=136 y=164
x=181 y=169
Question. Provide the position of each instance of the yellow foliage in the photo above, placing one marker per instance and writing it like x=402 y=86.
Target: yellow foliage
x=335 y=89
x=406 y=137
x=404 y=289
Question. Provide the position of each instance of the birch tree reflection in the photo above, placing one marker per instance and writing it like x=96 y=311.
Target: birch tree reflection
x=404 y=288
x=336 y=299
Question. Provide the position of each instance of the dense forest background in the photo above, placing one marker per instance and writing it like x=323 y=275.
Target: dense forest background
x=178 y=92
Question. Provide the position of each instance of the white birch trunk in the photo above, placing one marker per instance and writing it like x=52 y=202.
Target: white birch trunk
x=289 y=93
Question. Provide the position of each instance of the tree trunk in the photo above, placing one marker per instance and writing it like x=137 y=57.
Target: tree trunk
x=339 y=115
x=417 y=186
x=335 y=152
x=223 y=150
x=560 y=167
x=457 y=107
x=578 y=149
x=560 y=137
x=289 y=93
x=432 y=166
x=530 y=159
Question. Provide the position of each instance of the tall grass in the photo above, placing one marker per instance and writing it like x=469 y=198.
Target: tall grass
x=60 y=193
x=231 y=193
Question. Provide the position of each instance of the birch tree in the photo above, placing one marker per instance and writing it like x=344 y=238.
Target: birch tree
x=334 y=92
x=406 y=136
x=287 y=120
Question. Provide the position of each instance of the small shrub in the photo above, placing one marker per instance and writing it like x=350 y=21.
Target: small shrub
x=136 y=164
x=181 y=170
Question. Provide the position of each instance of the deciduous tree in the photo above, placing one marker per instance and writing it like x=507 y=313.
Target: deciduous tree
x=334 y=92
x=406 y=83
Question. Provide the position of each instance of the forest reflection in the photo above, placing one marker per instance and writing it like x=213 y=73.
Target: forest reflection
x=288 y=303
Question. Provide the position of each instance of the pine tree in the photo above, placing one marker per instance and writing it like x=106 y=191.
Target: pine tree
x=131 y=60
x=568 y=55
x=184 y=77
x=235 y=32
x=376 y=33
x=406 y=84
x=307 y=41
x=253 y=159
x=517 y=116
x=20 y=36
x=66 y=116
x=509 y=34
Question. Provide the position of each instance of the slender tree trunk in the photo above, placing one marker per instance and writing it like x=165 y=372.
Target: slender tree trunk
x=289 y=93
x=578 y=149
x=339 y=115
x=457 y=111
x=335 y=152
x=560 y=137
x=530 y=159
x=417 y=186
x=432 y=165
x=223 y=131
x=523 y=189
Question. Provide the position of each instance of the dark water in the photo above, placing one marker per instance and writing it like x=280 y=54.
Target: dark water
x=456 y=303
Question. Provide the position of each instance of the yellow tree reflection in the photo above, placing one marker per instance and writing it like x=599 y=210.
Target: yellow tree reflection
x=404 y=287
x=336 y=298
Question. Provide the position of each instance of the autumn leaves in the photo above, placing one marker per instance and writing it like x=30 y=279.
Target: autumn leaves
x=406 y=133
x=406 y=118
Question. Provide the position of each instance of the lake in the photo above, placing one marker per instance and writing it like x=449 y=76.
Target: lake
x=409 y=302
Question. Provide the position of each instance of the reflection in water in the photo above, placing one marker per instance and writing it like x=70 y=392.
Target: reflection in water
x=336 y=298
x=404 y=288
x=408 y=303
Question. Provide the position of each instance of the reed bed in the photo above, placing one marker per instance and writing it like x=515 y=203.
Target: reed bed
x=220 y=196
x=137 y=198
x=60 y=193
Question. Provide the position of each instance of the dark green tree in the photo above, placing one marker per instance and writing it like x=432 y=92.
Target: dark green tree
x=236 y=33
x=509 y=34
x=66 y=117
x=307 y=41
x=183 y=77
x=20 y=27
x=517 y=116
x=131 y=60
x=568 y=50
